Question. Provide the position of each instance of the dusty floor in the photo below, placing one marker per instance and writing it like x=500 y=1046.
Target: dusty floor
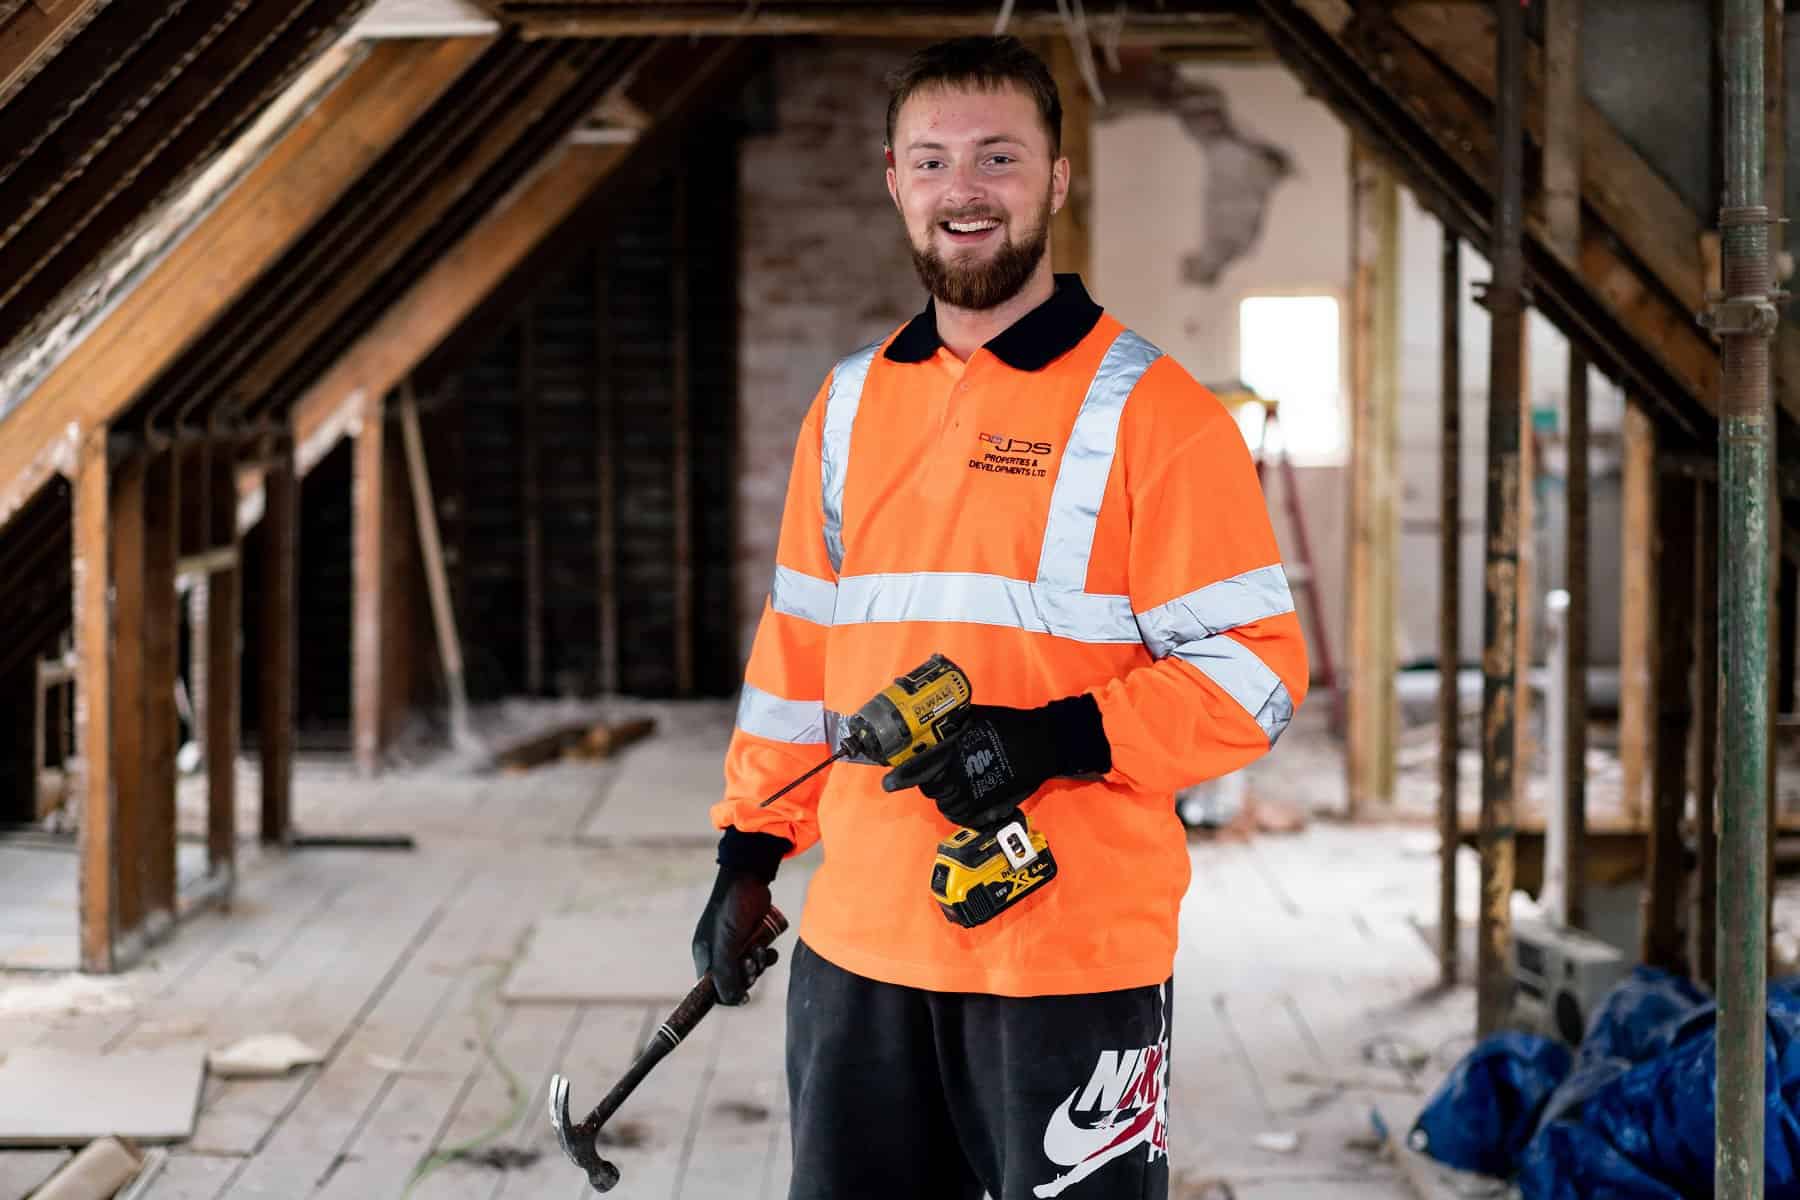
x=1303 y=996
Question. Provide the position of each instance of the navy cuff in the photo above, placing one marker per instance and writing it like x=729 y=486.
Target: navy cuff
x=757 y=854
x=1079 y=736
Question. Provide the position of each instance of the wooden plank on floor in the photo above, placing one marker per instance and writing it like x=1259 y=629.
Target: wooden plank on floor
x=314 y=1139
x=489 y=1119
x=742 y=1108
x=314 y=993
x=189 y=1176
x=599 y=1049
x=21 y=1171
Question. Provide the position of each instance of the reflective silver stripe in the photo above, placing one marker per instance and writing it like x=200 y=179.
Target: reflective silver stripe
x=986 y=600
x=847 y=379
x=1086 y=463
x=1215 y=608
x=1245 y=678
x=780 y=720
x=803 y=596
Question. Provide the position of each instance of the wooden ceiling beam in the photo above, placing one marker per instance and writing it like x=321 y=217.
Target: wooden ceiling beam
x=438 y=303
x=455 y=164
x=211 y=268
x=33 y=34
x=919 y=21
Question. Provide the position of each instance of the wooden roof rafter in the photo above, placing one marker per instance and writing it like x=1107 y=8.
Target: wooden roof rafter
x=142 y=98
x=1199 y=23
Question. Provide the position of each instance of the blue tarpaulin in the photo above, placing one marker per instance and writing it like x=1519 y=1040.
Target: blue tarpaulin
x=1630 y=1116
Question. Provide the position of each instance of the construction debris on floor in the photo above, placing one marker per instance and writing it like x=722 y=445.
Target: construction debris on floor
x=1628 y=1114
x=582 y=740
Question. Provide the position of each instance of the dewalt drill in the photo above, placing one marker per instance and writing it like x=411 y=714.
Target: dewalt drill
x=976 y=876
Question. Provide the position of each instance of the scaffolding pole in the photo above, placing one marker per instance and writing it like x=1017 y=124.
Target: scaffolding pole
x=1501 y=578
x=1744 y=321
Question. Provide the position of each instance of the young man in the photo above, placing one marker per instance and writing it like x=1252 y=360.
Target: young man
x=1016 y=481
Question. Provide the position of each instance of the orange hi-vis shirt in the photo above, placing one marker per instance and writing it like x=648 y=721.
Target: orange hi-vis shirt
x=1067 y=512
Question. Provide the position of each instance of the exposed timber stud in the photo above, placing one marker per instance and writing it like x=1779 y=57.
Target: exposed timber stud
x=1449 y=606
x=223 y=621
x=130 y=752
x=370 y=580
x=162 y=730
x=1637 y=625
x=1672 y=616
x=436 y=581
x=530 y=502
x=278 y=652
x=1744 y=320
x=606 y=482
x=681 y=414
x=1705 y=731
x=1374 y=353
x=93 y=580
x=1500 y=608
x=1575 y=642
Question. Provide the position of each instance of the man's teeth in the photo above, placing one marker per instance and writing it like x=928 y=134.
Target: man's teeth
x=970 y=226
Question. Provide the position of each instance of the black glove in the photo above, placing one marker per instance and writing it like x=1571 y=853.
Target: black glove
x=734 y=911
x=1002 y=755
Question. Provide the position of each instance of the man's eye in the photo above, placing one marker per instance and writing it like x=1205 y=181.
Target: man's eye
x=927 y=164
x=1002 y=160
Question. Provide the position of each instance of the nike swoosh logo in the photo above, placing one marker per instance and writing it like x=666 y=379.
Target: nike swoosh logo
x=1066 y=1143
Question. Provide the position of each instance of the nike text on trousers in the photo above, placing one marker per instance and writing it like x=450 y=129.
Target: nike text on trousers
x=902 y=1093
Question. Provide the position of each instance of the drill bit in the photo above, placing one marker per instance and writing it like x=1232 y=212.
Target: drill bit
x=790 y=787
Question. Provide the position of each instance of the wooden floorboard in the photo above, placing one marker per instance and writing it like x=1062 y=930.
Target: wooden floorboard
x=1299 y=982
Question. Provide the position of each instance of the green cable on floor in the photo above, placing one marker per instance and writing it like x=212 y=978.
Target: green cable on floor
x=515 y=1092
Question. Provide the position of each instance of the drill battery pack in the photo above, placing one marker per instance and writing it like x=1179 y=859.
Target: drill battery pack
x=978 y=876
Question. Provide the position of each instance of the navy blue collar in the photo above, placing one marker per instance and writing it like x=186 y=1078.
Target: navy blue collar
x=1031 y=343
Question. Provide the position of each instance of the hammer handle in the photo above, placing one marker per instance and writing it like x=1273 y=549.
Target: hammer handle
x=678 y=1025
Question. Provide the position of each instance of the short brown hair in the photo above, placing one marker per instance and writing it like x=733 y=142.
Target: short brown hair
x=988 y=63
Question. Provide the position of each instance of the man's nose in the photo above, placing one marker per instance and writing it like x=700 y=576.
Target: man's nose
x=965 y=185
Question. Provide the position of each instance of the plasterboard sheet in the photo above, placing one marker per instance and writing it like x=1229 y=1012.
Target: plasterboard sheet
x=51 y=1097
x=599 y=957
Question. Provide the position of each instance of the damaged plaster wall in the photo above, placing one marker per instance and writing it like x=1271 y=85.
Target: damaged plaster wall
x=1156 y=192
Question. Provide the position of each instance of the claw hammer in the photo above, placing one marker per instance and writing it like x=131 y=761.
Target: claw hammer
x=580 y=1141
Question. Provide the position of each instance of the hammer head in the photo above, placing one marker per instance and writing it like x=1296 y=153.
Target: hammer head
x=578 y=1140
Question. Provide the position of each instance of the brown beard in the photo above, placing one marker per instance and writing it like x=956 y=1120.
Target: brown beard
x=981 y=286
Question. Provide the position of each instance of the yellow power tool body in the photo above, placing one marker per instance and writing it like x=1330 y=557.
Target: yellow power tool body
x=975 y=876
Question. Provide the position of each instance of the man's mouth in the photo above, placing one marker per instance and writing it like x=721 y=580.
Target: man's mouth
x=968 y=233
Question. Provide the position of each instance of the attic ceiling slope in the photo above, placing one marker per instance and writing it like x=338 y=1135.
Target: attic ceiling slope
x=132 y=105
x=177 y=300
x=511 y=109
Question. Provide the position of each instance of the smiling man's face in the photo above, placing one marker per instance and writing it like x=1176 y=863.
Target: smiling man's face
x=976 y=184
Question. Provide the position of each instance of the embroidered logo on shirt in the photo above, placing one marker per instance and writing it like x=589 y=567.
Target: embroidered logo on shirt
x=1001 y=454
x=1122 y=1107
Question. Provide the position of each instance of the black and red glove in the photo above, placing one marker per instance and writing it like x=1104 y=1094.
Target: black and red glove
x=734 y=912
x=1003 y=755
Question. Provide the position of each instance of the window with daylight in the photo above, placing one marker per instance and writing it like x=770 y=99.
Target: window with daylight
x=1288 y=352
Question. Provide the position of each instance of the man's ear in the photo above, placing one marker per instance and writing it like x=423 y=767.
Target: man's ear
x=1059 y=184
x=893 y=182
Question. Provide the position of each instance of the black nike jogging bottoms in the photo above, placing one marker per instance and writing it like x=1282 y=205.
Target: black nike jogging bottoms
x=902 y=1094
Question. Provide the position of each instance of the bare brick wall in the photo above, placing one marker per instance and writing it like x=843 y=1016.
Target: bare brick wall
x=824 y=269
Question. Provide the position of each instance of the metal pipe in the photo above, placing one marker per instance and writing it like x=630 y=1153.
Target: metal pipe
x=1449 y=608
x=1501 y=606
x=1744 y=321
x=1575 y=644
